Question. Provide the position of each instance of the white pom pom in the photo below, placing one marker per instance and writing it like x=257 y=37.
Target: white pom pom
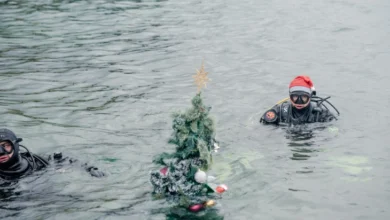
x=200 y=176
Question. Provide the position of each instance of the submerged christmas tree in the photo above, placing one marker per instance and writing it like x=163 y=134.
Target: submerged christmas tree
x=183 y=178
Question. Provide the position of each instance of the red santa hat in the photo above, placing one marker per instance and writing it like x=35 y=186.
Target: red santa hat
x=302 y=84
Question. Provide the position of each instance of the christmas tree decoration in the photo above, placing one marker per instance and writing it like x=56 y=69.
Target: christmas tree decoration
x=221 y=188
x=201 y=78
x=200 y=176
x=216 y=147
x=183 y=177
x=209 y=203
x=196 y=207
x=164 y=171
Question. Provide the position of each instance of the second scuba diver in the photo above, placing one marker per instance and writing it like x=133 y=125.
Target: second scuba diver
x=302 y=106
x=15 y=164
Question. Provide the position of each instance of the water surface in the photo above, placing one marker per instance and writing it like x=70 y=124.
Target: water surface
x=98 y=80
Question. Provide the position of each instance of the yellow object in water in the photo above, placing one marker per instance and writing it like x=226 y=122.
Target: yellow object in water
x=210 y=203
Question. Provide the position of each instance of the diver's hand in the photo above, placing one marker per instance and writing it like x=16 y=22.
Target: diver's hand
x=94 y=171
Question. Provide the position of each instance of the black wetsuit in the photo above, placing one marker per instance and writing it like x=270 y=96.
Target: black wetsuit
x=21 y=164
x=285 y=113
x=27 y=163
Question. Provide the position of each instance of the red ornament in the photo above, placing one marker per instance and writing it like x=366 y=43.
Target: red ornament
x=164 y=171
x=196 y=207
x=221 y=188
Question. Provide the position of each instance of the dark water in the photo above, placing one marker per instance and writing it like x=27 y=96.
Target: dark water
x=98 y=80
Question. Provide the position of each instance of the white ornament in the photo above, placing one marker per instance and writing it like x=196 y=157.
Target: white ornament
x=216 y=147
x=200 y=176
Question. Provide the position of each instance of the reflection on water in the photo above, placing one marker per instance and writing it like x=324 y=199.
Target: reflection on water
x=177 y=213
x=302 y=140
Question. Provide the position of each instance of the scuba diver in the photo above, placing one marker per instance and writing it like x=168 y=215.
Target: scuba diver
x=15 y=164
x=303 y=106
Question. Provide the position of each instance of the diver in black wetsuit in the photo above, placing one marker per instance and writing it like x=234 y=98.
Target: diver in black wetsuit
x=15 y=164
x=303 y=106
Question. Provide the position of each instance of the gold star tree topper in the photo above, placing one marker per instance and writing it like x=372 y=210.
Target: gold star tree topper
x=201 y=78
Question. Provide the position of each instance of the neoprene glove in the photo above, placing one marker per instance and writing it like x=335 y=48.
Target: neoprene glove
x=94 y=171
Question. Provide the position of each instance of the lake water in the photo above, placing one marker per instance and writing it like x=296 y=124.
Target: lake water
x=98 y=81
